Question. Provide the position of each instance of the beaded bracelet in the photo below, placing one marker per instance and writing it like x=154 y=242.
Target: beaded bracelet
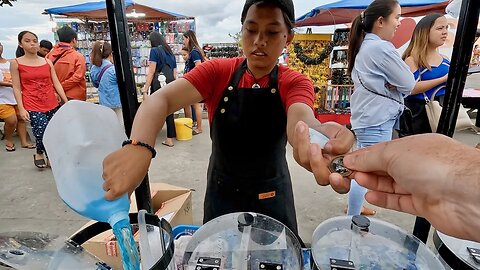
x=135 y=142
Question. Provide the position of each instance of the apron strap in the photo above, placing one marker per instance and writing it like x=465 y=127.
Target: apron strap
x=237 y=75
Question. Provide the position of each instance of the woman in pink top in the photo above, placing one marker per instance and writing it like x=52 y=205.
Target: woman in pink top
x=34 y=85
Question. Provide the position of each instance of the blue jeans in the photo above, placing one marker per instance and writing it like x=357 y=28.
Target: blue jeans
x=367 y=137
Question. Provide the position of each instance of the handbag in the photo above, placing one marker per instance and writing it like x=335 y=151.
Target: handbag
x=405 y=123
x=434 y=110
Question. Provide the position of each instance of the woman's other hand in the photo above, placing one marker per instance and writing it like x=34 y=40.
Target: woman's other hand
x=313 y=158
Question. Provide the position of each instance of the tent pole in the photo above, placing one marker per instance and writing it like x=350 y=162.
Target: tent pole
x=120 y=38
x=462 y=50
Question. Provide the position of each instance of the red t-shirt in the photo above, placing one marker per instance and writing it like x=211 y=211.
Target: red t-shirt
x=38 y=93
x=211 y=79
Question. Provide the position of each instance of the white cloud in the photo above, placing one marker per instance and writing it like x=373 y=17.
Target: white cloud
x=215 y=18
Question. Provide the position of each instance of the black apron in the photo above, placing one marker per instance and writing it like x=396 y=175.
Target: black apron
x=248 y=169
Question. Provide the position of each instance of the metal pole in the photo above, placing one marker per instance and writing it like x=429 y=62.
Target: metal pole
x=462 y=50
x=120 y=37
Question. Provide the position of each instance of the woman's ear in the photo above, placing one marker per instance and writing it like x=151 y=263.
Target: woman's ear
x=380 y=21
x=290 y=37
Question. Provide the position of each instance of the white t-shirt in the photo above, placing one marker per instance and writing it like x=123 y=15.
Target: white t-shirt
x=6 y=93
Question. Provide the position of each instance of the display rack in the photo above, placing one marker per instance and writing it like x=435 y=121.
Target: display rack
x=221 y=50
x=340 y=87
x=309 y=54
x=323 y=58
x=89 y=32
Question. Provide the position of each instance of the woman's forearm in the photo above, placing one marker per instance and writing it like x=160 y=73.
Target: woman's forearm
x=149 y=119
x=152 y=113
x=148 y=82
x=60 y=92
x=6 y=84
x=423 y=86
x=18 y=97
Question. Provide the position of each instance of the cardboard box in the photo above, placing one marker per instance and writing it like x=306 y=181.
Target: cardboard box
x=170 y=202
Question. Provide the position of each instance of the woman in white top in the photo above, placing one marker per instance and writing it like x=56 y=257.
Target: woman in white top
x=381 y=79
x=8 y=108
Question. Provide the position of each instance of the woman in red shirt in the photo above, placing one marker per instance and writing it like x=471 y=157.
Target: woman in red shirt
x=254 y=106
x=34 y=85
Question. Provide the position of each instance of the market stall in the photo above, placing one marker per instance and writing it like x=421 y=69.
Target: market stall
x=322 y=57
x=346 y=10
x=333 y=96
x=91 y=24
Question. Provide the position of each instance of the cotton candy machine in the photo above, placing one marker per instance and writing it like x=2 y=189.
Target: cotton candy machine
x=361 y=243
x=243 y=241
x=33 y=251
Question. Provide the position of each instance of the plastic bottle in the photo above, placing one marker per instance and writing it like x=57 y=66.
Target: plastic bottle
x=77 y=139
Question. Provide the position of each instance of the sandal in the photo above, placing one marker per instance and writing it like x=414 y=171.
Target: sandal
x=196 y=132
x=10 y=148
x=39 y=163
x=29 y=146
x=166 y=144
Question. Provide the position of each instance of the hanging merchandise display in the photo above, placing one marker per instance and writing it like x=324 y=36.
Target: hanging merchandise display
x=323 y=59
x=89 y=32
x=222 y=50
x=308 y=54
x=339 y=91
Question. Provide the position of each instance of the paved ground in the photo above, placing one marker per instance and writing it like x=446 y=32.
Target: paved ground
x=29 y=200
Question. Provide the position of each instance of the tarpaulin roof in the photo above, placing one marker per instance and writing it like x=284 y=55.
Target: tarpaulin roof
x=345 y=11
x=98 y=11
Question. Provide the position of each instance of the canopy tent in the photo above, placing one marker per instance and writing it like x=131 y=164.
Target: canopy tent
x=345 y=11
x=97 y=11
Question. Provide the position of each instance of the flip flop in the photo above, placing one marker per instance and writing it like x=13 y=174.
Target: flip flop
x=195 y=132
x=39 y=163
x=166 y=144
x=29 y=146
x=10 y=148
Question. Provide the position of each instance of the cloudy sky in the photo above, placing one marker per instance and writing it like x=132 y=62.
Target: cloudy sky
x=215 y=18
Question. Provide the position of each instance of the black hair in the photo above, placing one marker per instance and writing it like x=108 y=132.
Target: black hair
x=66 y=34
x=364 y=23
x=193 y=43
x=286 y=6
x=20 y=51
x=156 y=39
x=46 y=44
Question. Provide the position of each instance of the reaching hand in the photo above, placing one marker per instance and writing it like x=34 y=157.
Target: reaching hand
x=427 y=175
x=313 y=158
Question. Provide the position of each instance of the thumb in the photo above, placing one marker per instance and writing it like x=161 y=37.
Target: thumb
x=369 y=159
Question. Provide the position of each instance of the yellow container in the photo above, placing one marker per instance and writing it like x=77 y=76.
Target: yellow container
x=183 y=128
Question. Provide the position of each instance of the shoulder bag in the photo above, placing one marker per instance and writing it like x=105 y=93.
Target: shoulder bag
x=434 y=110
